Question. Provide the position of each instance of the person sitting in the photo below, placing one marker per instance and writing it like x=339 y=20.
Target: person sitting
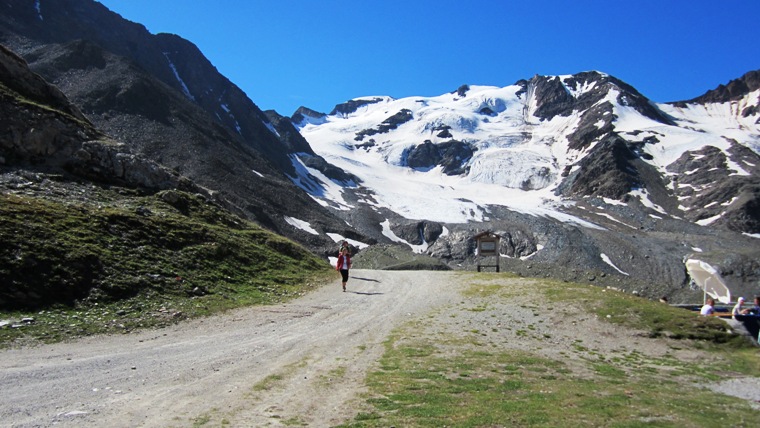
x=738 y=308
x=708 y=308
x=755 y=309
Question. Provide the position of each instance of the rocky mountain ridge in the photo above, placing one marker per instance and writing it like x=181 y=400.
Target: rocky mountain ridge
x=88 y=224
x=681 y=178
x=44 y=131
x=160 y=97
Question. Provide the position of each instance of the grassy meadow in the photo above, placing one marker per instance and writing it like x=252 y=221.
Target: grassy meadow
x=582 y=357
x=117 y=260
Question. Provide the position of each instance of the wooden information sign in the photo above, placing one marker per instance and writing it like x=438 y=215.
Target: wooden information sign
x=487 y=246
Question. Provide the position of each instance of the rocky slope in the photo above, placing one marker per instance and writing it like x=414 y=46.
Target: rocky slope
x=163 y=99
x=84 y=222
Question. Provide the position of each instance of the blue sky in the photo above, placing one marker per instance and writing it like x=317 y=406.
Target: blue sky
x=288 y=53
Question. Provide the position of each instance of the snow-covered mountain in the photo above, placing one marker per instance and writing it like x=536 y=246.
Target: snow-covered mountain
x=581 y=175
x=586 y=151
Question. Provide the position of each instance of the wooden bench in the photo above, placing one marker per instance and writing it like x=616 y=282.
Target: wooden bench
x=722 y=314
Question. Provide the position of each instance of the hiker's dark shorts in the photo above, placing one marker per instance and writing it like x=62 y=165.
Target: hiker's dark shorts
x=344 y=274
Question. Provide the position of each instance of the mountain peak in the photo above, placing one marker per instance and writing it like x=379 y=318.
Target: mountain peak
x=305 y=115
x=353 y=105
x=562 y=95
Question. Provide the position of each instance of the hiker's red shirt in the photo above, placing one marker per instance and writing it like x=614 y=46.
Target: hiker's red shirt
x=344 y=262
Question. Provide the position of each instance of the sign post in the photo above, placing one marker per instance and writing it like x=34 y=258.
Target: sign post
x=487 y=246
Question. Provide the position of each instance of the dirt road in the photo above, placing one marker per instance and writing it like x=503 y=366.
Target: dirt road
x=266 y=366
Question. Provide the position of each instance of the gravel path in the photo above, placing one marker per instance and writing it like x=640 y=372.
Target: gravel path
x=251 y=367
x=300 y=363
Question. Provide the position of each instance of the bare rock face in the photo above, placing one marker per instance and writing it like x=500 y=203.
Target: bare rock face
x=462 y=90
x=391 y=123
x=44 y=130
x=418 y=233
x=39 y=124
x=329 y=170
x=15 y=73
x=291 y=140
x=607 y=172
x=552 y=98
x=712 y=190
x=452 y=155
x=102 y=161
x=306 y=114
x=517 y=243
x=352 y=105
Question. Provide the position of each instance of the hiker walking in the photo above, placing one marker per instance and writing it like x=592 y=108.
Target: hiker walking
x=343 y=265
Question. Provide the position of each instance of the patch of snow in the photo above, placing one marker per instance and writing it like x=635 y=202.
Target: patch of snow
x=582 y=89
x=752 y=235
x=708 y=221
x=339 y=238
x=257 y=173
x=727 y=203
x=38 y=8
x=271 y=128
x=539 y=247
x=609 y=201
x=517 y=169
x=185 y=89
x=615 y=220
x=323 y=190
x=300 y=224
x=308 y=120
x=609 y=262
x=644 y=198
x=697 y=249
x=719 y=126
x=226 y=108
x=388 y=233
x=731 y=165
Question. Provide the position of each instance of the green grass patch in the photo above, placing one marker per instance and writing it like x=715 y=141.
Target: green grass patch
x=655 y=319
x=471 y=389
x=441 y=376
x=268 y=383
x=120 y=260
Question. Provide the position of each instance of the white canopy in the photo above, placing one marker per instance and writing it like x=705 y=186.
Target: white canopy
x=709 y=280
